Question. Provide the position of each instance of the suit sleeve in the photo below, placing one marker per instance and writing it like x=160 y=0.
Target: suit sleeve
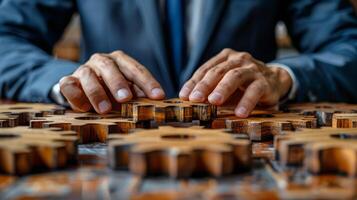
x=325 y=34
x=28 y=31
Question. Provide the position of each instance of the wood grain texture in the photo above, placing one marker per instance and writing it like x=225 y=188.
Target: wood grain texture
x=320 y=151
x=90 y=127
x=180 y=152
x=170 y=110
x=264 y=126
x=24 y=150
x=24 y=112
x=322 y=111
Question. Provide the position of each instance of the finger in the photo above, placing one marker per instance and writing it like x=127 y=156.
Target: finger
x=138 y=74
x=73 y=92
x=234 y=79
x=250 y=98
x=106 y=68
x=205 y=86
x=200 y=73
x=93 y=89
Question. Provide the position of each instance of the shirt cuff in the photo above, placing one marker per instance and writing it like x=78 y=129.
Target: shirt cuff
x=295 y=83
x=57 y=96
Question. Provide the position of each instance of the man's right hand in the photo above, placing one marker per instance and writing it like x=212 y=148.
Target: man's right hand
x=119 y=74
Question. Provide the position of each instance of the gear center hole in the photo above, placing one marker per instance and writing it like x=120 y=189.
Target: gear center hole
x=178 y=137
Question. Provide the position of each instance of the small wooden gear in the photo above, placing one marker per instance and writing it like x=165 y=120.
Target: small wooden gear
x=264 y=126
x=24 y=112
x=180 y=152
x=320 y=151
x=7 y=120
x=170 y=110
x=344 y=120
x=24 y=150
x=90 y=127
x=322 y=111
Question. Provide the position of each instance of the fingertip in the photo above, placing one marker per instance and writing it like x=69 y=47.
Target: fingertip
x=216 y=98
x=157 y=93
x=104 y=107
x=124 y=95
x=241 y=112
x=184 y=93
x=197 y=96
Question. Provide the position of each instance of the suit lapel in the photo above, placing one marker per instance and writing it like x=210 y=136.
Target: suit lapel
x=212 y=12
x=152 y=22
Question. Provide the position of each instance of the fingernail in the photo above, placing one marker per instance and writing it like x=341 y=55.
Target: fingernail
x=157 y=92
x=197 y=96
x=122 y=94
x=184 y=92
x=104 y=106
x=242 y=111
x=215 y=97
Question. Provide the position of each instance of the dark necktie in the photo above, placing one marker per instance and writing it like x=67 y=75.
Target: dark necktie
x=175 y=19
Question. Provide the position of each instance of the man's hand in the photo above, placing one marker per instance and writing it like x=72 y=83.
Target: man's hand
x=106 y=76
x=239 y=77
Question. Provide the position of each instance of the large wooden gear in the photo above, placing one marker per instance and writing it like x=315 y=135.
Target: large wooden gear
x=24 y=150
x=264 y=126
x=180 y=152
x=170 y=110
x=90 y=127
x=24 y=112
x=320 y=151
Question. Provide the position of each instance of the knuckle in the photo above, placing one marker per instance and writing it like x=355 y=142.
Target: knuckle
x=252 y=67
x=118 y=53
x=236 y=73
x=93 y=92
x=259 y=88
x=245 y=55
x=190 y=83
x=95 y=56
x=223 y=87
x=66 y=81
x=104 y=61
x=227 y=51
x=84 y=71
x=204 y=84
x=217 y=71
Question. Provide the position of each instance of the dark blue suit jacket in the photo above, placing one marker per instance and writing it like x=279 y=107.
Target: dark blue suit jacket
x=324 y=31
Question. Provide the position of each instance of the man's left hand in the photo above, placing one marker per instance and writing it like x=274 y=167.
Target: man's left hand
x=237 y=76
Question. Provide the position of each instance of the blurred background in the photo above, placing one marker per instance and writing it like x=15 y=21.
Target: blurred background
x=69 y=46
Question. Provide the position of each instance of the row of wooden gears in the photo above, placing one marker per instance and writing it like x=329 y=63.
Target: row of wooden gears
x=24 y=150
x=180 y=152
x=264 y=125
x=20 y=114
x=324 y=112
x=141 y=113
x=319 y=151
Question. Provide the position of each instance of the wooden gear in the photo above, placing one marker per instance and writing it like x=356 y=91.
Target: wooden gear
x=179 y=152
x=322 y=111
x=263 y=126
x=320 y=151
x=7 y=120
x=344 y=120
x=170 y=110
x=24 y=150
x=90 y=127
x=24 y=112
